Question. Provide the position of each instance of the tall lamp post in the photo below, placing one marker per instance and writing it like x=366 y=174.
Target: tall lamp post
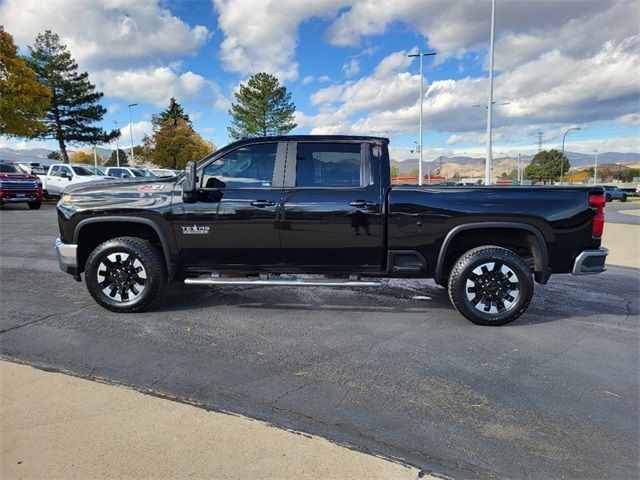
x=421 y=55
x=133 y=162
x=595 y=170
x=562 y=159
x=117 y=147
x=488 y=165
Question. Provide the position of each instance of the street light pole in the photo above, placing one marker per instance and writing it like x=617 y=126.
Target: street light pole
x=133 y=162
x=421 y=54
x=117 y=147
x=488 y=165
x=595 y=170
x=562 y=159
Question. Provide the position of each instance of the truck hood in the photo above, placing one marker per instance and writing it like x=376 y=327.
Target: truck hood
x=118 y=194
x=18 y=176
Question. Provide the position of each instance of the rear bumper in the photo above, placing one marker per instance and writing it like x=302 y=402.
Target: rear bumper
x=67 y=257
x=590 y=261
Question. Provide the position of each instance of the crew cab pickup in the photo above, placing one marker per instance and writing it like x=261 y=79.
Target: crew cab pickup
x=262 y=210
x=19 y=187
x=61 y=175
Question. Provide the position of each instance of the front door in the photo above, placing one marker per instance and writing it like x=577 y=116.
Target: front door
x=332 y=213
x=233 y=223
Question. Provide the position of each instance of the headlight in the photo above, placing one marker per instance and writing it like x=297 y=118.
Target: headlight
x=66 y=199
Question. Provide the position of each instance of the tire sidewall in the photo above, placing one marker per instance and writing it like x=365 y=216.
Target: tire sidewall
x=132 y=248
x=458 y=286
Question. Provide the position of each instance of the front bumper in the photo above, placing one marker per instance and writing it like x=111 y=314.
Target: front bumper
x=590 y=261
x=67 y=257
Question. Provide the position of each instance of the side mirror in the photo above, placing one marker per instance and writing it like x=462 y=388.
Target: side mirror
x=189 y=183
x=65 y=175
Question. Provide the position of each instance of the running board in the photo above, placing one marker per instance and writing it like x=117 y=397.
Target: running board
x=210 y=280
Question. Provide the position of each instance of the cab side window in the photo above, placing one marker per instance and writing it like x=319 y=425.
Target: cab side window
x=67 y=171
x=328 y=165
x=246 y=167
x=55 y=171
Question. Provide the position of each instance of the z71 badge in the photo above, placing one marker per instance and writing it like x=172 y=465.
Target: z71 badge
x=195 y=230
x=151 y=188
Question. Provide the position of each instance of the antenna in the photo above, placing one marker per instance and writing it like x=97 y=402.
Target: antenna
x=539 y=142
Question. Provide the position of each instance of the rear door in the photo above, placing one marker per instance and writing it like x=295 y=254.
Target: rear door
x=233 y=223
x=332 y=211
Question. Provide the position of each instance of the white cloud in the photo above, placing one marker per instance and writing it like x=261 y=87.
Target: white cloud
x=262 y=36
x=629 y=119
x=152 y=85
x=103 y=34
x=307 y=80
x=139 y=129
x=454 y=138
x=324 y=79
x=352 y=68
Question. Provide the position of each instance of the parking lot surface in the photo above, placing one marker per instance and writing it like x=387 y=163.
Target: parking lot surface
x=395 y=371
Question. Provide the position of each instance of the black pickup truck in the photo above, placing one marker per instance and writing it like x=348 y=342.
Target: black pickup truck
x=262 y=210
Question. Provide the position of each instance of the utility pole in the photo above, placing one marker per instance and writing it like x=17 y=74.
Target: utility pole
x=595 y=170
x=488 y=165
x=95 y=157
x=133 y=161
x=520 y=170
x=562 y=158
x=421 y=54
x=117 y=148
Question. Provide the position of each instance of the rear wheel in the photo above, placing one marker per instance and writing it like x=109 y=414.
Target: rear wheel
x=608 y=197
x=125 y=274
x=490 y=285
x=624 y=198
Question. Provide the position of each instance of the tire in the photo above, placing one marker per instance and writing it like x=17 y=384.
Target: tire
x=125 y=274
x=474 y=281
x=608 y=197
x=35 y=205
x=624 y=198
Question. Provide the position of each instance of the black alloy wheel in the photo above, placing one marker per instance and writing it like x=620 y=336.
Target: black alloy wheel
x=490 y=285
x=125 y=274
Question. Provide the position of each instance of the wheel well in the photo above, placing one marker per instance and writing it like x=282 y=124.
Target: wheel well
x=93 y=234
x=523 y=243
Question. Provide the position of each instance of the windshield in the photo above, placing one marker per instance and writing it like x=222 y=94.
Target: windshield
x=7 y=168
x=82 y=171
x=142 y=173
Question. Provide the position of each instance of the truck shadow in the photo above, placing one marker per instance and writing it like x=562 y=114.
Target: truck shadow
x=608 y=297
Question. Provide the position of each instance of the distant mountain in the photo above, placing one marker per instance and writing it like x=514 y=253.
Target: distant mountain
x=474 y=167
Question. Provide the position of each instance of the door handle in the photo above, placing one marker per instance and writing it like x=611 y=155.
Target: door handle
x=362 y=204
x=263 y=203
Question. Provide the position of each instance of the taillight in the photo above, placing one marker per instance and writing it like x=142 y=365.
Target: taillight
x=597 y=200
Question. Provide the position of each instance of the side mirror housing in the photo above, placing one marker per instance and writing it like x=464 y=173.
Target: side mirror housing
x=189 y=183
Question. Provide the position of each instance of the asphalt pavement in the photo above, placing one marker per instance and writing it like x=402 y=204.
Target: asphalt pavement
x=396 y=372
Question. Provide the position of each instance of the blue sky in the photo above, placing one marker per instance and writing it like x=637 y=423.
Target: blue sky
x=559 y=64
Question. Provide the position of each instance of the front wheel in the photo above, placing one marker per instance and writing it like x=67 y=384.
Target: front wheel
x=624 y=198
x=490 y=285
x=35 y=205
x=125 y=274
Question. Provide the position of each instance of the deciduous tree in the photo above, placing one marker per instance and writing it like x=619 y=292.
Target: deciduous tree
x=23 y=100
x=546 y=166
x=80 y=156
x=75 y=108
x=262 y=107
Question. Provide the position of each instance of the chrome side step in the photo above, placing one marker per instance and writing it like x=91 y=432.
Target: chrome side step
x=293 y=282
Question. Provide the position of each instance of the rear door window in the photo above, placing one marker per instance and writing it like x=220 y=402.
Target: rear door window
x=328 y=165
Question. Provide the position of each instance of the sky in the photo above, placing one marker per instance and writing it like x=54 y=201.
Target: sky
x=558 y=64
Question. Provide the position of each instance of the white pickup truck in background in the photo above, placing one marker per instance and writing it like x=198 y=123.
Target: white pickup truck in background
x=61 y=175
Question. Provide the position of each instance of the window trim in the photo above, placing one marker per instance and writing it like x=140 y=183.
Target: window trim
x=292 y=164
x=277 y=179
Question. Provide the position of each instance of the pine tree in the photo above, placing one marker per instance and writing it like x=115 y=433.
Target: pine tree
x=174 y=142
x=262 y=108
x=23 y=101
x=174 y=112
x=75 y=106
